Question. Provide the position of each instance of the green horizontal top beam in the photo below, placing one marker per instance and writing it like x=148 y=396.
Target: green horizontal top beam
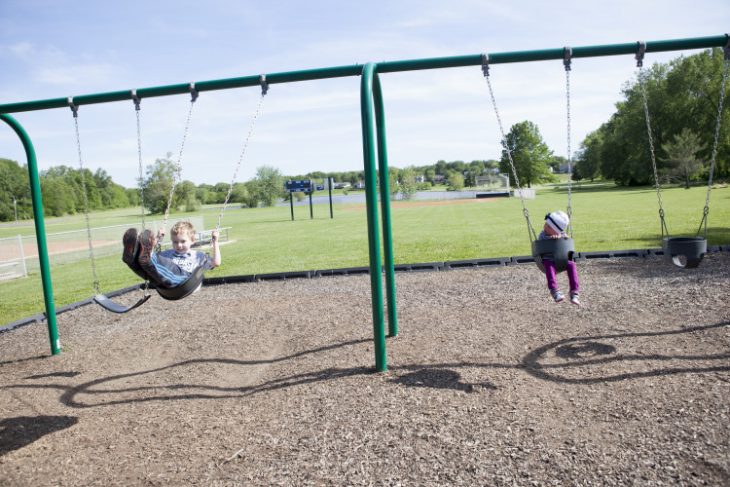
x=384 y=67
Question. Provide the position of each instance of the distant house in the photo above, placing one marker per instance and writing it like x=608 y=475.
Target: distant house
x=359 y=185
x=421 y=179
x=337 y=185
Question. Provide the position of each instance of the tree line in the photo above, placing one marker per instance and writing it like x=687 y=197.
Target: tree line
x=61 y=191
x=682 y=100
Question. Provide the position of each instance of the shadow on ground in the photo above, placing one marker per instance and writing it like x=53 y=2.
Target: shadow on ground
x=15 y=433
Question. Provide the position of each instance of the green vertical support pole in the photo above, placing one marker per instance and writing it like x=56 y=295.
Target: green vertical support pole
x=388 y=263
x=40 y=231
x=371 y=204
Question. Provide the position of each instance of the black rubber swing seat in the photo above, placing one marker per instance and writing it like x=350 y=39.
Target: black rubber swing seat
x=559 y=250
x=185 y=289
x=110 y=305
x=692 y=249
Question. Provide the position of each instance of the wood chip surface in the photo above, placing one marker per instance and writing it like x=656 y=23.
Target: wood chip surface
x=489 y=383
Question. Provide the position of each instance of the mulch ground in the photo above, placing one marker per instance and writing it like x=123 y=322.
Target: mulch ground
x=489 y=383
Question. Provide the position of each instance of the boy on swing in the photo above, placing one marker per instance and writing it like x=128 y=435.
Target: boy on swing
x=556 y=223
x=172 y=267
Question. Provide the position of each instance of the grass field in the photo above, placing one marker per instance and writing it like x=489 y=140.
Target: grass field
x=266 y=240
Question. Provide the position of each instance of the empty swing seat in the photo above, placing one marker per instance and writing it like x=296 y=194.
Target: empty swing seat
x=692 y=249
x=559 y=250
x=109 y=305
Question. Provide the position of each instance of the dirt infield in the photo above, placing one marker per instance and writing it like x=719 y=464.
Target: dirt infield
x=9 y=248
x=489 y=383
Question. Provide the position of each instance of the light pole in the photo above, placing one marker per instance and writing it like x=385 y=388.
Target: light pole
x=15 y=207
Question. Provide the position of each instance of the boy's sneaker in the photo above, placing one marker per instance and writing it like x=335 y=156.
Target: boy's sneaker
x=147 y=243
x=575 y=299
x=558 y=296
x=131 y=246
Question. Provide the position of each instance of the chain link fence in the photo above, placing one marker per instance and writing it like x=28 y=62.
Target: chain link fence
x=19 y=254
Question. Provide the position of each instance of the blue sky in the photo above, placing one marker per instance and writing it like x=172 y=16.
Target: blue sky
x=51 y=49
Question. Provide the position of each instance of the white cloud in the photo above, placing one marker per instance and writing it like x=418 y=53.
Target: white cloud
x=77 y=75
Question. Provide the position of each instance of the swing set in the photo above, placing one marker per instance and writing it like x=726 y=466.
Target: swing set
x=374 y=150
x=195 y=280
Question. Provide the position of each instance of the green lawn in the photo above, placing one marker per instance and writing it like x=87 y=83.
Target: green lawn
x=266 y=240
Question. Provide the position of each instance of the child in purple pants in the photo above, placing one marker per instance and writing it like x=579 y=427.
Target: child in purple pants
x=555 y=225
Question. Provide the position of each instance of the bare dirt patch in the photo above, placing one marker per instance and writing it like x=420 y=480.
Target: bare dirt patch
x=9 y=249
x=489 y=383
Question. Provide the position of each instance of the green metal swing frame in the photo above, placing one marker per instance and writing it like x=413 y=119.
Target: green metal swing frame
x=373 y=141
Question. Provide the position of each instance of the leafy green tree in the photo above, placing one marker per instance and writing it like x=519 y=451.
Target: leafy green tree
x=456 y=181
x=407 y=180
x=430 y=174
x=251 y=200
x=112 y=195
x=588 y=160
x=269 y=185
x=14 y=191
x=132 y=196
x=57 y=197
x=393 y=184
x=529 y=153
x=158 y=183
x=203 y=193
x=185 y=196
x=239 y=193
x=475 y=169
x=692 y=96
x=681 y=94
x=682 y=157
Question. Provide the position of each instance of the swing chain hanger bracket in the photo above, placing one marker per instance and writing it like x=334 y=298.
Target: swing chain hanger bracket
x=74 y=107
x=567 y=57
x=640 y=51
x=136 y=99
x=264 y=84
x=194 y=93
x=485 y=65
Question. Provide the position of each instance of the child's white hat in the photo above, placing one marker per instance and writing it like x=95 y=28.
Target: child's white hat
x=557 y=220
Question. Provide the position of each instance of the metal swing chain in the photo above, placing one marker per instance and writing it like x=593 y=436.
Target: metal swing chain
x=567 y=57
x=525 y=211
x=706 y=210
x=177 y=176
x=641 y=49
x=75 y=110
x=136 y=101
x=264 y=90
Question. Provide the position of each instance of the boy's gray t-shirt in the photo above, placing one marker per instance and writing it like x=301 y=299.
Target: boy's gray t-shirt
x=188 y=262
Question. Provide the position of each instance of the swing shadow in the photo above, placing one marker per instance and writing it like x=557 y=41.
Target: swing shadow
x=21 y=431
x=576 y=352
x=593 y=351
x=26 y=359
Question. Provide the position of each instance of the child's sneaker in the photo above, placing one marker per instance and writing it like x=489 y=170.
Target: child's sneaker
x=558 y=296
x=131 y=246
x=147 y=242
x=574 y=299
